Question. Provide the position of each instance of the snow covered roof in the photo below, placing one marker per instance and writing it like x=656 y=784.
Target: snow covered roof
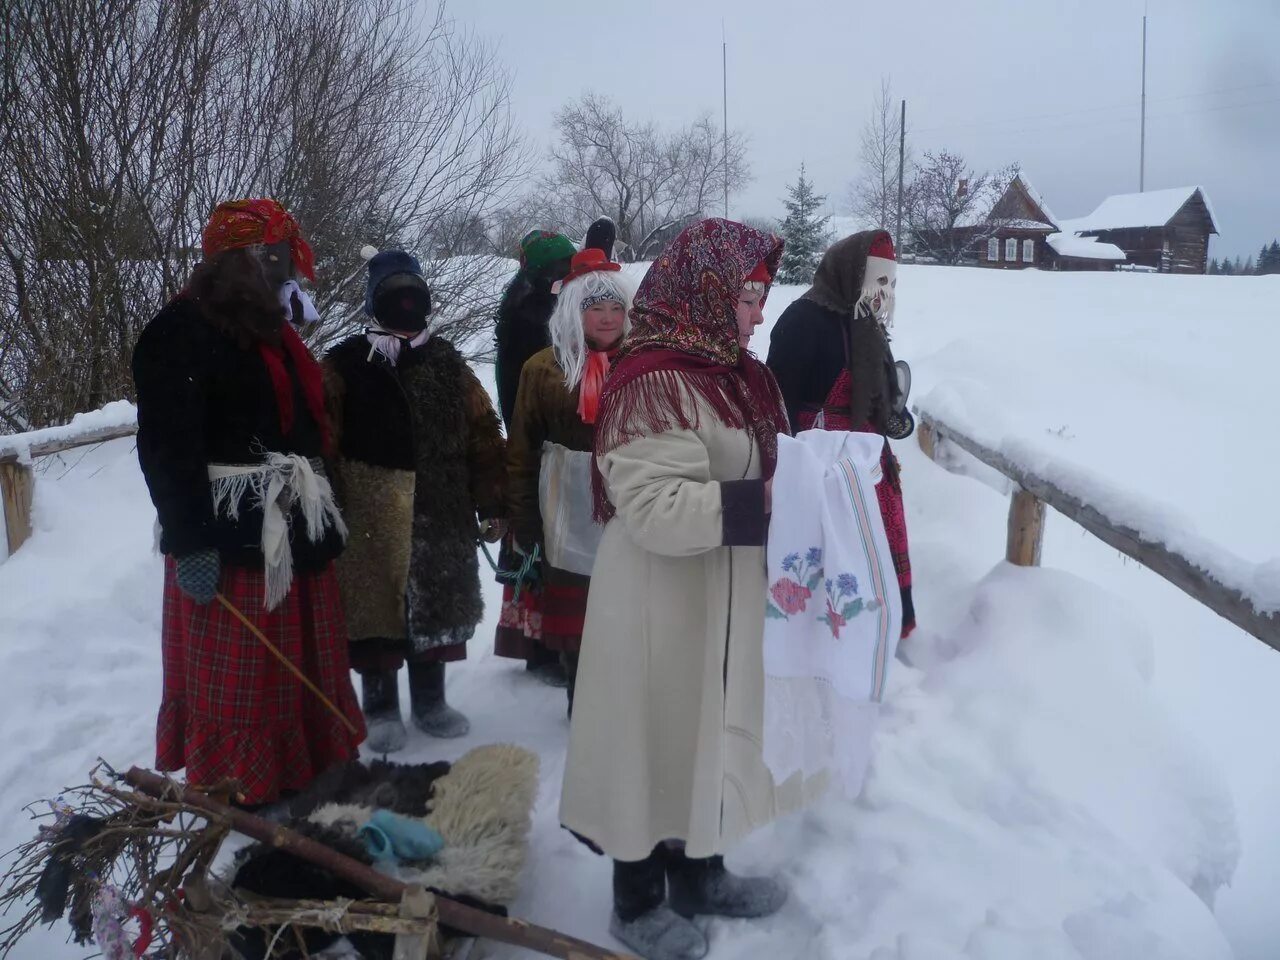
x=1154 y=208
x=1083 y=248
x=1036 y=197
x=1025 y=224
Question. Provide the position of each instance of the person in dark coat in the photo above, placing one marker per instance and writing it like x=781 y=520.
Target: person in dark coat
x=520 y=332
x=830 y=354
x=521 y=329
x=420 y=476
x=232 y=430
x=555 y=417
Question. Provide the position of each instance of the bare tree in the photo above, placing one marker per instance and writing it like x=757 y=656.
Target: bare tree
x=122 y=122
x=873 y=196
x=648 y=181
x=952 y=205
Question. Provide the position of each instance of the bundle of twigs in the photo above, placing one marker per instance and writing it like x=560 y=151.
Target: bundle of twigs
x=108 y=857
x=135 y=850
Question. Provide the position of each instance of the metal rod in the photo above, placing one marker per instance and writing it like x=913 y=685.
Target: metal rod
x=724 y=77
x=902 y=154
x=1142 y=141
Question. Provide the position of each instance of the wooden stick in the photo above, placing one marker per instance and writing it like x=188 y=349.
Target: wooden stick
x=287 y=662
x=477 y=923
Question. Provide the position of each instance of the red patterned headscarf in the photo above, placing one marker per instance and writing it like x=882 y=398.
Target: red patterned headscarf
x=243 y=223
x=684 y=340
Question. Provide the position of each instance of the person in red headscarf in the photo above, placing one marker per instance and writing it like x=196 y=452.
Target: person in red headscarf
x=232 y=430
x=549 y=454
x=830 y=353
x=665 y=769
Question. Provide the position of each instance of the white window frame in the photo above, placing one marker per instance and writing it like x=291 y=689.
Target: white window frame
x=1028 y=251
x=1011 y=250
x=993 y=250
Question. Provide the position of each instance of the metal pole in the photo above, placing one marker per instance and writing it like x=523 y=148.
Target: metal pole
x=1142 y=142
x=724 y=73
x=902 y=154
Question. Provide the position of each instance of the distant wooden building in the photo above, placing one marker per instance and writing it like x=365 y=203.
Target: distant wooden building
x=1021 y=231
x=1165 y=230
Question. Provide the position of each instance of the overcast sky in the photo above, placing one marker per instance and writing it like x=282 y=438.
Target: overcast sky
x=1051 y=84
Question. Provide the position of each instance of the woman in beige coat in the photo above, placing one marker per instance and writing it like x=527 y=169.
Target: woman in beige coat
x=665 y=769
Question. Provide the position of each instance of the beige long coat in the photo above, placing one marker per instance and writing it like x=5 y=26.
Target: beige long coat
x=668 y=714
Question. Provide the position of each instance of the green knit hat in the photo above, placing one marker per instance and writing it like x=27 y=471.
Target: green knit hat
x=541 y=247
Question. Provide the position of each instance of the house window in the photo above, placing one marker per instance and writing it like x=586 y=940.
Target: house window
x=1028 y=251
x=993 y=250
x=1011 y=250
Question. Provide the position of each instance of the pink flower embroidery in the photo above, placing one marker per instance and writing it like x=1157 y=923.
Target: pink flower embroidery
x=834 y=620
x=790 y=596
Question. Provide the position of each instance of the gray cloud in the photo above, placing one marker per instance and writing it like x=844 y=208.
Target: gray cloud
x=1053 y=85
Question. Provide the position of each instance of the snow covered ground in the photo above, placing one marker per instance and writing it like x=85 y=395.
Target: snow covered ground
x=1061 y=748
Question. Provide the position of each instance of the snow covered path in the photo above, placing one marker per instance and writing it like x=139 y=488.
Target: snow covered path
x=1041 y=785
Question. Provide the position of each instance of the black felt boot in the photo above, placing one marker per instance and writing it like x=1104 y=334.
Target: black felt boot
x=704 y=887
x=641 y=919
x=570 y=663
x=545 y=665
x=380 y=700
x=431 y=714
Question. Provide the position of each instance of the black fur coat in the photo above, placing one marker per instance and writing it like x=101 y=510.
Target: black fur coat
x=430 y=416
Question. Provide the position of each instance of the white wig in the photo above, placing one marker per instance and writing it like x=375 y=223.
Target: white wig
x=568 y=339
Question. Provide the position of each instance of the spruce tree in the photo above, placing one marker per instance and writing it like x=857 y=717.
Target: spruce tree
x=804 y=231
x=1213 y=267
x=1249 y=268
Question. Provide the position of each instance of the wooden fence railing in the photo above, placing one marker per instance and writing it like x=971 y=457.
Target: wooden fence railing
x=17 y=478
x=1026 y=531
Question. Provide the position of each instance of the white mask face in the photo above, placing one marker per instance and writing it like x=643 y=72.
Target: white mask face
x=879 y=286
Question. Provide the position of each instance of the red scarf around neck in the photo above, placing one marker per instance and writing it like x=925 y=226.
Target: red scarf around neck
x=309 y=375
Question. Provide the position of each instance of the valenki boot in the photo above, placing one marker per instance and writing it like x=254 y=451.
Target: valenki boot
x=380 y=701
x=641 y=919
x=704 y=887
x=431 y=714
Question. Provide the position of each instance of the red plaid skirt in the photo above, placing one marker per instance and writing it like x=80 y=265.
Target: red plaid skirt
x=551 y=616
x=230 y=709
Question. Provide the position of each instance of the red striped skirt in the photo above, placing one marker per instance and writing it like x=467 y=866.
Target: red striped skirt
x=551 y=616
x=230 y=709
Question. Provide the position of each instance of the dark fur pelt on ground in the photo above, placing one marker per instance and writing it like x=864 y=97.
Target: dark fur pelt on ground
x=481 y=805
x=401 y=788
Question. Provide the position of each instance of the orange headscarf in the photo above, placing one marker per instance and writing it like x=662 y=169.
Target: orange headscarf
x=243 y=223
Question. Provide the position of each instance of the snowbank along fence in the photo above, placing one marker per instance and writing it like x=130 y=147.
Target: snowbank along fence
x=17 y=478
x=1032 y=493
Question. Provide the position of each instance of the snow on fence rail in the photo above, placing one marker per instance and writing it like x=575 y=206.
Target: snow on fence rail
x=17 y=479
x=1026 y=531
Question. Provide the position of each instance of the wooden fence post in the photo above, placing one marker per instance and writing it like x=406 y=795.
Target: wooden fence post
x=17 y=487
x=1026 y=529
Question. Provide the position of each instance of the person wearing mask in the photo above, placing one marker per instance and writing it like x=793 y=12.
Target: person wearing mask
x=232 y=432
x=830 y=354
x=421 y=475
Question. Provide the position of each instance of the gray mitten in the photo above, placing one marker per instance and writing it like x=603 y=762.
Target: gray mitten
x=198 y=575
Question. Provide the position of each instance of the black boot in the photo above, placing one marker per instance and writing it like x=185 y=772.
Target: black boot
x=380 y=700
x=431 y=714
x=545 y=665
x=570 y=663
x=705 y=887
x=641 y=919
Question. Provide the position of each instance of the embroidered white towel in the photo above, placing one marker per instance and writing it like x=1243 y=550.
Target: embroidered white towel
x=834 y=613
